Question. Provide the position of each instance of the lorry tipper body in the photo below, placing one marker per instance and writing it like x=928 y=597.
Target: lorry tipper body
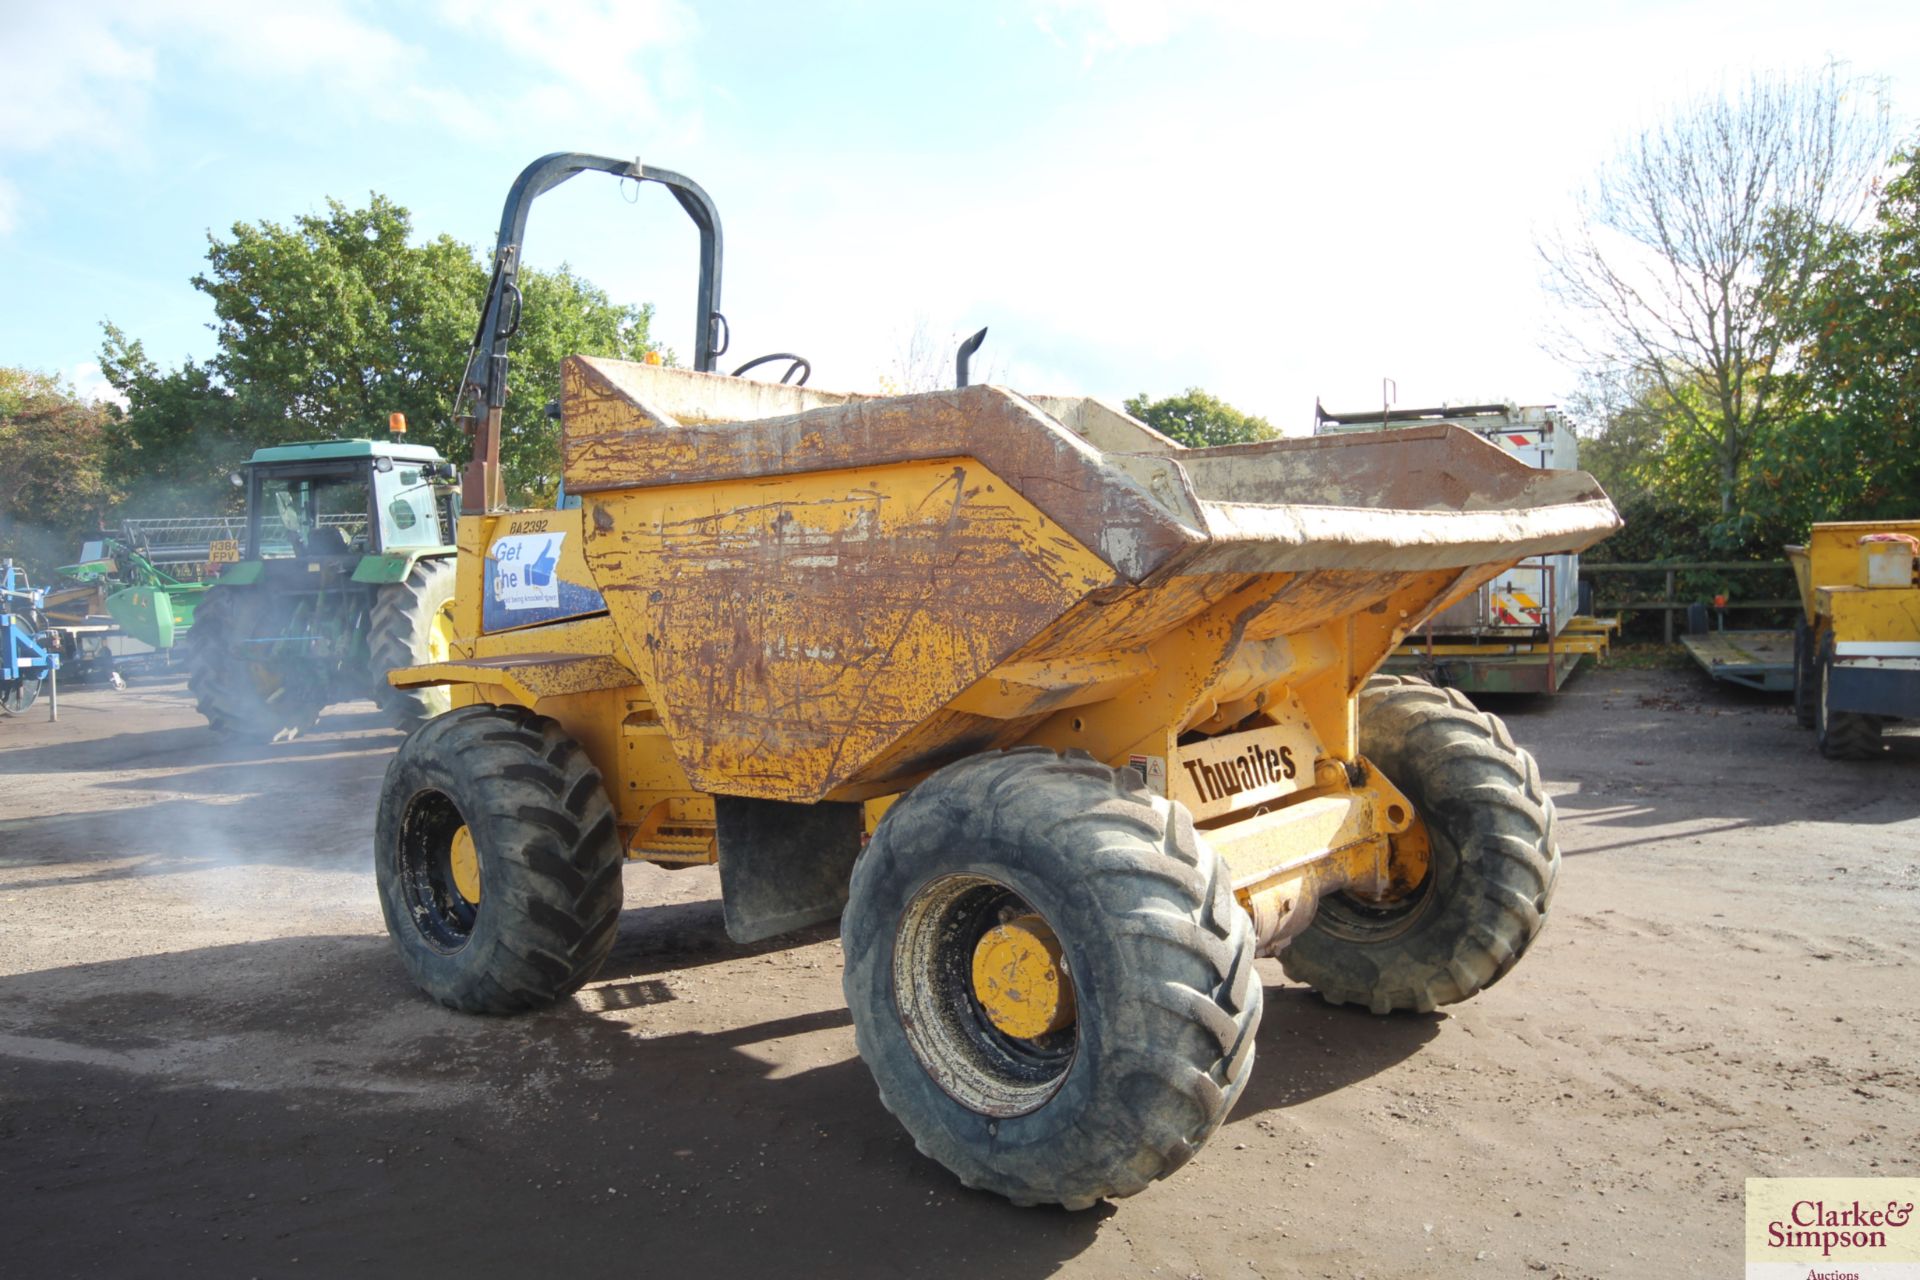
x=1529 y=628
x=1106 y=707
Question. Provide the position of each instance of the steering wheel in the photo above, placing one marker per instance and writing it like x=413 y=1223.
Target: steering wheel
x=800 y=365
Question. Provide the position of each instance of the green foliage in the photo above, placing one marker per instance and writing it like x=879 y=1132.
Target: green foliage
x=53 y=486
x=182 y=433
x=1849 y=448
x=326 y=327
x=1199 y=420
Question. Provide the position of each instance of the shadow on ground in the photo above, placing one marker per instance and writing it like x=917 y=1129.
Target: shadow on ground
x=238 y=1107
x=1673 y=753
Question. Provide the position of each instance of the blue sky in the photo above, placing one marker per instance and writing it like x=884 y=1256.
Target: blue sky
x=1272 y=201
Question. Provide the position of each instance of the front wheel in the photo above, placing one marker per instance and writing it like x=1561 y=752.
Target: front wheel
x=497 y=860
x=1491 y=861
x=1049 y=977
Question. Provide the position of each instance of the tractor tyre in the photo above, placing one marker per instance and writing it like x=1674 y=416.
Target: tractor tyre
x=1049 y=977
x=1491 y=869
x=1841 y=735
x=411 y=625
x=1806 y=677
x=238 y=696
x=497 y=860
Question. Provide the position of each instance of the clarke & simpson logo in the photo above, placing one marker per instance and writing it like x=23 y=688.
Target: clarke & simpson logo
x=1833 y=1229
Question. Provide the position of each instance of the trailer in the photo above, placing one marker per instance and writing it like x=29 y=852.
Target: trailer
x=1761 y=660
x=1529 y=628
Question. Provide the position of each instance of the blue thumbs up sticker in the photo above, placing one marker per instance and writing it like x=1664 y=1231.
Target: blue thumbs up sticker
x=524 y=570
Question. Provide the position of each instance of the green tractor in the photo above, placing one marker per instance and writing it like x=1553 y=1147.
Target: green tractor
x=345 y=572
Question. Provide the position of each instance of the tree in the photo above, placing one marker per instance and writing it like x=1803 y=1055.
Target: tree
x=53 y=484
x=1633 y=441
x=1199 y=420
x=1848 y=446
x=327 y=326
x=1675 y=261
x=182 y=433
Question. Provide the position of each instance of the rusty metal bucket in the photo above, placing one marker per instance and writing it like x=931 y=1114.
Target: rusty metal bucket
x=826 y=594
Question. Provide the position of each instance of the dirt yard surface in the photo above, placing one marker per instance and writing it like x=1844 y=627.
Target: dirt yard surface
x=212 y=1064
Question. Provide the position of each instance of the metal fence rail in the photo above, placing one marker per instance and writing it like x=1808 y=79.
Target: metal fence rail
x=1669 y=602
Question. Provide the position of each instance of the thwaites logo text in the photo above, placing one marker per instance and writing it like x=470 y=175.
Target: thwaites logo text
x=1257 y=766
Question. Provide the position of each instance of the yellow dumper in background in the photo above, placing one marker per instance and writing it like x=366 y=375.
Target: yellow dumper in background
x=1857 y=643
x=1109 y=699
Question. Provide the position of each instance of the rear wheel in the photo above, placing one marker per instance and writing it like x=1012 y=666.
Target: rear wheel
x=232 y=685
x=412 y=625
x=1806 y=677
x=497 y=860
x=1491 y=861
x=1049 y=977
x=1841 y=735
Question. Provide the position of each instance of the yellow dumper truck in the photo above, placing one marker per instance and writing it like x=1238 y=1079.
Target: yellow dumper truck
x=1857 y=641
x=1066 y=723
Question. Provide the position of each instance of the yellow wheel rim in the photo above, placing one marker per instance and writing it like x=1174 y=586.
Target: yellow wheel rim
x=464 y=860
x=440 y=634
x=1019 y=979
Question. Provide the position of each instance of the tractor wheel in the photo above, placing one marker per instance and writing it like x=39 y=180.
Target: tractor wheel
x=1841 y=735
x=237 y=695
x=1049 y=977
x=497 y=860
x=1806 y=677
x=412 y=624
x=1491 y=867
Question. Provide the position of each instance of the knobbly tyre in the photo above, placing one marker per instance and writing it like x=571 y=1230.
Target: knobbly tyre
x=345 y=572
x=1105 y=701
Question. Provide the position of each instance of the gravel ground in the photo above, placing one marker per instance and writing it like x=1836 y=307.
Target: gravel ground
x=211 y=1063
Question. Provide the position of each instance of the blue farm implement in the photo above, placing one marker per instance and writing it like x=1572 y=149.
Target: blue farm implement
x=27 y=653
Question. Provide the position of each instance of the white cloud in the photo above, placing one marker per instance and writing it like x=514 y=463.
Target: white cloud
x=89 y=383
x=588 y=62
x=81 y=78
x=67 y=78
x=1095 y=28
x=9 y=206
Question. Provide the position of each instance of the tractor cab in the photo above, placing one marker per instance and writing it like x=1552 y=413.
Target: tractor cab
x=343 y=500
x=342 y=571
